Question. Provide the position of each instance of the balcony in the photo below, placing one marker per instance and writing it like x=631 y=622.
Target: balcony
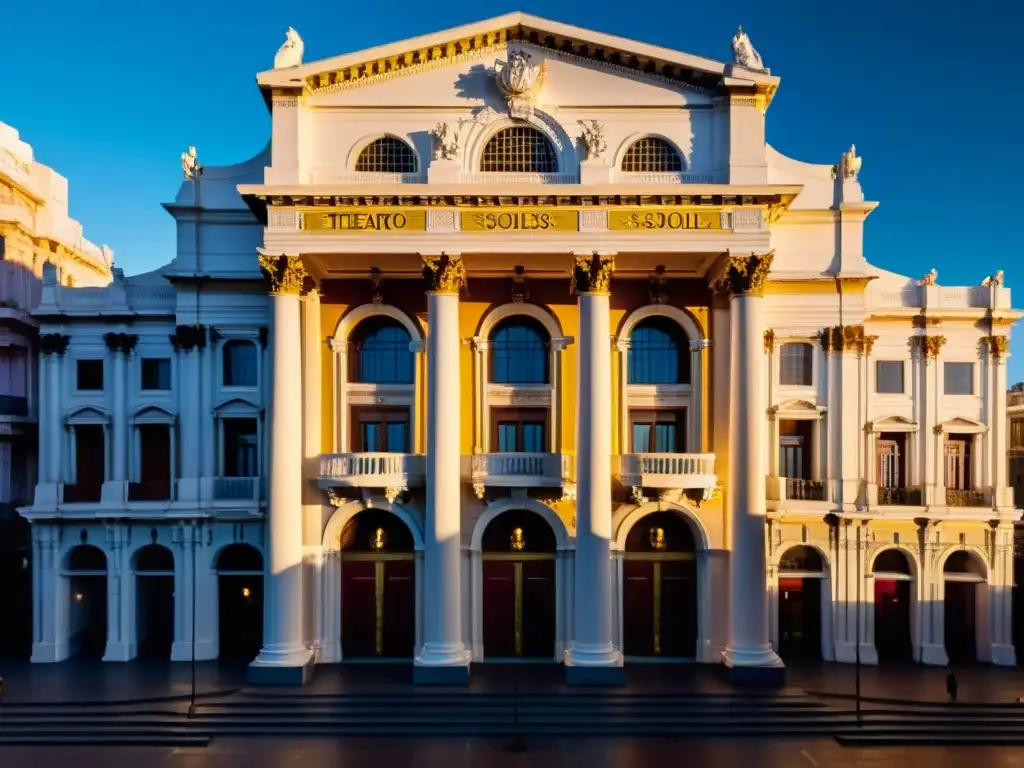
x=371 y=470
x=13 y=405
x=82 y=492
x=966 y=498
x=518 y=470
x=798 y=489
x=669 y=470
x=154 y=490
x=237 y=488
x=900 y=497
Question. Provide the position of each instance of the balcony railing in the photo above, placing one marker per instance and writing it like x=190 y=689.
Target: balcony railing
x=82 y=492
x=798 y=489
x=966 y=498
x=908 y=497
x=159 y=490
x=13 y=405
x=520 y=470
x=669 y=470
x=237 y=488
x=371 y=470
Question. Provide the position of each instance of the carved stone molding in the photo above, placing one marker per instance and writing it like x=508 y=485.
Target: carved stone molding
x=285 y=275
x=444 y=274
x=121 y=342
x=592 y=274
x=748 y=274
x=53 y=343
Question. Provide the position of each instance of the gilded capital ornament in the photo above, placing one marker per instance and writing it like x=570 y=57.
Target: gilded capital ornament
x=53 y=343
x=769 y=340
x=747 y=274
x=998 y=346
x=284 y=274
x=592 y=274
x=846 y=337
x=444 y=273
x=930 y=345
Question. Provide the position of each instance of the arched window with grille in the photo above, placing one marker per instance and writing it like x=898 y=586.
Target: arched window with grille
x=387 y=155
x=519 y=352
x=382 y=354
x=652 y=155
x=519 y=149
x=658 y=353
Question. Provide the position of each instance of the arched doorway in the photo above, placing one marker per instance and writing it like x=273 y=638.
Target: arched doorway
x=154 y=600
x=964 y=605
x=240 y=600
x=378 y=587
x=801 y=581
x=894 y=595
x=659 y=588
x=518 y=553
x=86 y=571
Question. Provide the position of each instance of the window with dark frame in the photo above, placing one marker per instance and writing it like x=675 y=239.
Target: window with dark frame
x=796 y=364
x=241 y=360
x=519 y=430
x=958 y=378
x=156 y=373
x=89 y=375
x=519 y=352
x=795 y=440
x=381 y=353
x=380 y=430
x=241 y=454
x=519 y=149
x=658 y=353
x=889 y=377
x=1017 y=434
x=651 y=155
x=386 y=155
x=658 y=431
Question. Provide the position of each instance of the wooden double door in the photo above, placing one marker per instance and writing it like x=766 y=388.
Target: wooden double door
x=378 y=605
x=660 y=605
x=519 y=605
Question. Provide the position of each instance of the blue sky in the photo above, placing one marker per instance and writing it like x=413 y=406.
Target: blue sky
x=111 y=92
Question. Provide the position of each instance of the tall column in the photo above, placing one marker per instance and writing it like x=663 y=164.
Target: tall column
x=749 y=655
x=930 y=429
x=1002 y=492
x=695 y=440
x=188 y=340
x=592 y=659
x=284 y=658
x=443 y=658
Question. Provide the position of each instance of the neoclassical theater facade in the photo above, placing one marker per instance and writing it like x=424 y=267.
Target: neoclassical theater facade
x=519 y=341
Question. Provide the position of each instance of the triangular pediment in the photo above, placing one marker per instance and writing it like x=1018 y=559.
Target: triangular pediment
x=893 y=424
x=87 y=415
x=794 y=407
x=963 y=424
x=483 y=41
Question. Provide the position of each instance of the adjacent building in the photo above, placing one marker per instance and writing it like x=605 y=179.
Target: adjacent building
x=519 y=341
x=35 y=230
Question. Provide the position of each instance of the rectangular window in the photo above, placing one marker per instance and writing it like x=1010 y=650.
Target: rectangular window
x=154 y=464
x=380 y=430
x=958 y=463
x=959 y=378
x=658 y=431
x=89 y=375
x=156 y=373
x=89 y=465
x=889 y=377
x=796 y=363
x=241 y=456
x=519 y=430
x=795 y=449
x=1017 y=434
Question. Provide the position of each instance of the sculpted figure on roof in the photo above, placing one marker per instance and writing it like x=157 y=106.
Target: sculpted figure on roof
x=290 y=52
x=743 y=53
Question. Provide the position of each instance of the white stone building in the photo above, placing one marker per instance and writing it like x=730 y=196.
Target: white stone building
x=730 y=434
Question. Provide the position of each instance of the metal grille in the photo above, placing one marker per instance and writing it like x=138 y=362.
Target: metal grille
x=519 y=149
x=651 y=155
x=387 y=155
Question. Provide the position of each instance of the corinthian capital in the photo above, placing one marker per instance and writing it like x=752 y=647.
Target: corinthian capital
x=593 y=273
x=444 y=274
x=747 y=274
x=284 y=274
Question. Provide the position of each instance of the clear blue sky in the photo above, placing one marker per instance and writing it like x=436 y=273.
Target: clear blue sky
x=111 y=92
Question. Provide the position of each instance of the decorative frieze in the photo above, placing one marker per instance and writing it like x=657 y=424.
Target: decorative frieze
x=592 y=274
x=53 y=343
x=121 y=342
x=748 y=274
x=444 y=274
x=188 y=337
x=285 y=275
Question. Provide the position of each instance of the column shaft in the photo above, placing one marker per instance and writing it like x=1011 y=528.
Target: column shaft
x=55 y=422
x=120 y=427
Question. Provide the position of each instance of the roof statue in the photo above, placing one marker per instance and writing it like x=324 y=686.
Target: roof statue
x=848 y=166
x=930 y=279
x=743 y=53
x=290 y=52
x=993 y=280
x=518 y=80
x=190 y=164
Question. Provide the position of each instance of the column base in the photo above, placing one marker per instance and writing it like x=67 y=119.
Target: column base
x=754 y=666
x=594 y=665
x=1004 y=655
x=49 y=653
x=206 y=650
x=934 y=655
x=118 y=651
x=281 y=667
x=846 y=653
x=442 y=665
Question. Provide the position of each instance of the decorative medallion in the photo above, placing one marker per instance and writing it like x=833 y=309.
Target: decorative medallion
x=517 y=541
x=592 y=274
x=444 y=274
x=657 y=538
x=519 y=81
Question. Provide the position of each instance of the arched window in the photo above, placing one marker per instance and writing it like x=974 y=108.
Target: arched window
x=658 y=353
x=651 y=155
x=519 y=352
x=240 y=557
x=382 y=354
x=891 y=561
x=519 y=149
x=387 y=155
x=801 y=559
x=154 y=557
x=86 y=557
x=240 y=361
